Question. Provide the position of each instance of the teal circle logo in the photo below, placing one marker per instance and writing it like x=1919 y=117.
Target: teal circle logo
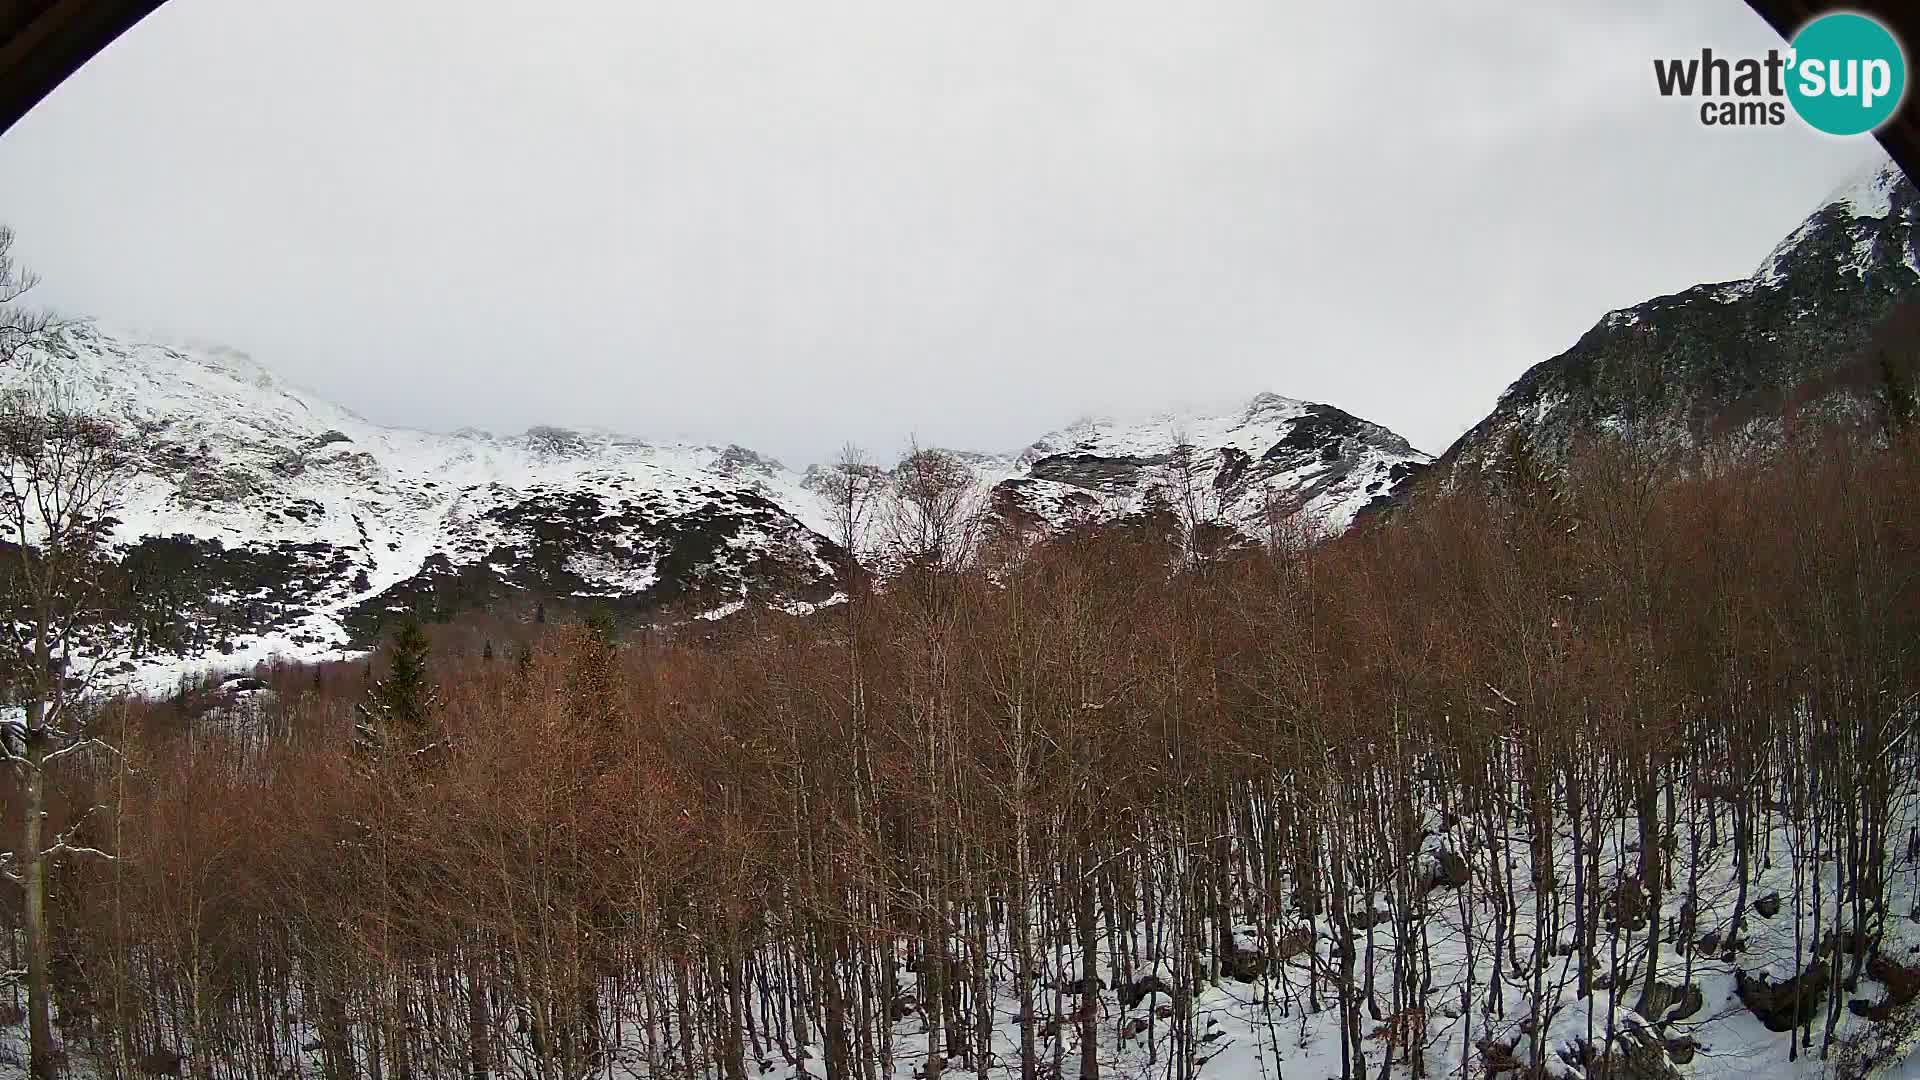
x=1848 y=74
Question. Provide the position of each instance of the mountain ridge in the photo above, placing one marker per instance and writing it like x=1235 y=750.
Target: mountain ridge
x=1720 y=363
x=265 y=520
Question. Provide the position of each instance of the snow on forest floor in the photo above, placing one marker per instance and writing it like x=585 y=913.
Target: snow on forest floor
x=1265 y=1030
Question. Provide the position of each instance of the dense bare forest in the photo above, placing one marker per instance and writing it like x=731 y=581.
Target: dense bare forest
x=1598 y=774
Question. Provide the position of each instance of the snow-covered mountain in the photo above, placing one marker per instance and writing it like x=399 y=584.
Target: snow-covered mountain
x=1730 y=363
x=1274 y=457
x=265 y=520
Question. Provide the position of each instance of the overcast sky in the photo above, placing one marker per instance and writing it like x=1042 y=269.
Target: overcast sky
x=793 y=224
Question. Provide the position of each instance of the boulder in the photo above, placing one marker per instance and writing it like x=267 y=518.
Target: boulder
x=1141 y=989
x=1626 y=905
x=1086 y=984
x=1447 y=870
x=1667 y=1002
x=1636 y=1059
x=1368 y=918
x=1903 y=987
x=1635 y=1052
x=1242 y=964
x=1783 y=1006
x=159 y=1062
x=1297 y=942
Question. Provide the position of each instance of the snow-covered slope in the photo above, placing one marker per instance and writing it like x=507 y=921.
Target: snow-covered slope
x=1877 y=193
x=1275 y=457
x=265 y=520
x=299 y=524
x=230 y=454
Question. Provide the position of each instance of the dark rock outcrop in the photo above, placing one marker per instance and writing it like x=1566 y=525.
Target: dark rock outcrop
x=1782 y=1006
x=1730 y=363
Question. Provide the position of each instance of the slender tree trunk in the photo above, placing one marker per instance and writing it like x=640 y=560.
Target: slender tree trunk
x=478 y=1054
x=39 y=1009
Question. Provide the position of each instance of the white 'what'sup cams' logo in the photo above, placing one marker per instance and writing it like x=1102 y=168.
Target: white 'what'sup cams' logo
x=1843 y=74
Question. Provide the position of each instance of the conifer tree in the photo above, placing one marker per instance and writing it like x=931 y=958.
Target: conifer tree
x=596 y=694
x=602 y=629
x=1897 y=375
x=1531 y=484
x=1895 y=355
x=398 y=708
x=523 y=667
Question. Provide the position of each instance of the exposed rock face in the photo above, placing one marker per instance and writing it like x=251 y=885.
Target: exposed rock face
x=1730 y=363
x=631 y=555
x=1115 y=475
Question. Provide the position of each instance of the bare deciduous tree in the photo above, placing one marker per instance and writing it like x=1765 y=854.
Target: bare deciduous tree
x=21 y=328
x=60 y=472
x=850 y=487
x=933 y=523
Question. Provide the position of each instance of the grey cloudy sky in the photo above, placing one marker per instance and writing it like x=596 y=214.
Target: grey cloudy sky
x=799 y=223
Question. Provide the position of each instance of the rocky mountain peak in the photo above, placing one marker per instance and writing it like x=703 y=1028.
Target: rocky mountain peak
x=1727 y=363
